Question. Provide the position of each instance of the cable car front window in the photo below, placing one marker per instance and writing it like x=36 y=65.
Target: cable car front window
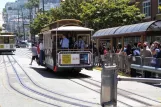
x=1 y=40
x=11 y=40
x=6 y=40
x=73 y=41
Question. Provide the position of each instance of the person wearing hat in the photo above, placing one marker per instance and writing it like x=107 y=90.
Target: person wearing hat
x=145 y=52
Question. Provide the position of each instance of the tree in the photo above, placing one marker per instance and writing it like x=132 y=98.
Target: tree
x=96 y=14
x=71 y=9
x=32 y=4
x=104 y=14
x=39 y=22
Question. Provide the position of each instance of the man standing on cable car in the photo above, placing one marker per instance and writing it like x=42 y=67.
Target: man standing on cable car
x=64 y=43
x=41 y=46
x=80 y=43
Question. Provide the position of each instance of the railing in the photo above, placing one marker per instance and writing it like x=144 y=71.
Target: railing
x=109 y=75
x=125 y=63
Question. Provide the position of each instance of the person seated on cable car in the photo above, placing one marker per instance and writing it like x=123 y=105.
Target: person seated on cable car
x=80 y=44
x=64 y=42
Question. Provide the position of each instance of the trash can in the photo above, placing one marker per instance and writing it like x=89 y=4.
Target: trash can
x=109 y=86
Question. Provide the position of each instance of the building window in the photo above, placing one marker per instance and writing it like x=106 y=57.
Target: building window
x=159 y=4
x=147 y=8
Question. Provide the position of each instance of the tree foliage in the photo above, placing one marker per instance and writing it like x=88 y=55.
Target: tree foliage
x=39 y=22
x=96 y=14
x=32 y=3
x=112 y=13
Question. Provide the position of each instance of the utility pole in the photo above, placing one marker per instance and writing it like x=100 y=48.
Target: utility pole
x=18 y=23
x=43 y=6
x=151 y=10
x=23 y=24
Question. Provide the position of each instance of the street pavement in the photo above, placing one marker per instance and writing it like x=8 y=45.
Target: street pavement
x=78 y=87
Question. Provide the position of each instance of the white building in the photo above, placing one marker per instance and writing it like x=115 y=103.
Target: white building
x=48 y=4
x=16 y=17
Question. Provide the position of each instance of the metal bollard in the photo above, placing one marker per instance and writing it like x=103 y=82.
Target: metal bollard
x=109 y=86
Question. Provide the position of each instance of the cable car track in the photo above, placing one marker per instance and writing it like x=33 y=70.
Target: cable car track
x=10 y=84
x=48 y=96
x=142 y=102
x=43 y=88
x=129 y=92
x=124 y=93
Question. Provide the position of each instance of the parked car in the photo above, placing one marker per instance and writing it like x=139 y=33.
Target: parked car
x=21 y=45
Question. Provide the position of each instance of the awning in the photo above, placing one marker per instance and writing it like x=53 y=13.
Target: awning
x=129 y=29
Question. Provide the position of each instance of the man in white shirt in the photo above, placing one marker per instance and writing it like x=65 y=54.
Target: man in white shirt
x=64 y=43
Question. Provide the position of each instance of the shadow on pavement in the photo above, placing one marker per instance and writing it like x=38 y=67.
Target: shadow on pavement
x=155 y=85
x=7 y=53
x=59 y=75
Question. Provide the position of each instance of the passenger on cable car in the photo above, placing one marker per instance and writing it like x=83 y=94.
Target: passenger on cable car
x=64 y=42
x=71 y=42
x=41 y=46
x=80 y=44
x=38 y=52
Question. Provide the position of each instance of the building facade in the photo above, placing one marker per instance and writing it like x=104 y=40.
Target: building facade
x=16 y=17
x=150 y=8
x=48 y=4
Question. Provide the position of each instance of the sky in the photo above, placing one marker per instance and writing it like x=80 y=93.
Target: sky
x=3 y=2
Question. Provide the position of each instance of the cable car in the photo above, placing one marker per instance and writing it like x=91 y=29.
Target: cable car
x=7 y=42
x=71 y=58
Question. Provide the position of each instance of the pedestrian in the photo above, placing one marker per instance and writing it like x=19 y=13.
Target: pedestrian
x=145 y=53
x=34 y=53
x=128 y=55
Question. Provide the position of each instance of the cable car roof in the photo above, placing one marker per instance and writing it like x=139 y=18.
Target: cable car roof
x=62 y=22
x=129 y=29
x=6 y=35
x=72 y=28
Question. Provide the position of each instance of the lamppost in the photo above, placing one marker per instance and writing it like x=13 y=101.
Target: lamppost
x=18 y=23
x=43 y=6
x=22 y=20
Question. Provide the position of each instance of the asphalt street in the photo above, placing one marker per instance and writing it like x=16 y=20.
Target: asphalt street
x=24 y=85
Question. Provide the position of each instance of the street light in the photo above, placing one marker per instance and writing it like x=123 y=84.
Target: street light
x=43 y=6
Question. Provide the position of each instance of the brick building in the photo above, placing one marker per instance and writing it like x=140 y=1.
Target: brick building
x=150 y=8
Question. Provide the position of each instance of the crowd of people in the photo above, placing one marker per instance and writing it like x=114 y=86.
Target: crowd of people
x=144 y=50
